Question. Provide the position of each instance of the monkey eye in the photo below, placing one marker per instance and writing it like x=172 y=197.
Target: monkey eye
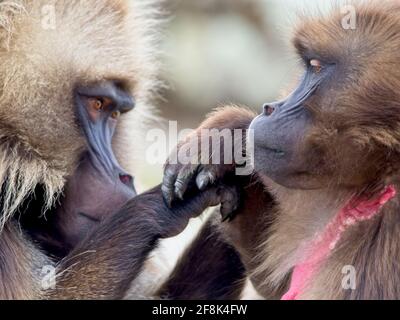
x=96 y=104
x=316 y=65
x=115 y=115
x=100 y=103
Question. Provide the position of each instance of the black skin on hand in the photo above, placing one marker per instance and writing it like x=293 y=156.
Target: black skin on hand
x=178 y=212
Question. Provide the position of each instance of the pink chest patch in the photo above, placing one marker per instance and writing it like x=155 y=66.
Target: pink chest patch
x=320 y=248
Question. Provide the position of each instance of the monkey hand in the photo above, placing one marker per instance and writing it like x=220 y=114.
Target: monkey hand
x=173 y=219
x=214 y=149
x=205 y=168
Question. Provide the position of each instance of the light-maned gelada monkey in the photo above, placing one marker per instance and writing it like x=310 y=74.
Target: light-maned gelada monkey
x=320 y=217
x=75 y=81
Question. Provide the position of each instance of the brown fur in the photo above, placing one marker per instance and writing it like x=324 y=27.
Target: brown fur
x=192 y=278
x=92 y=40
x=354 y=146
x=363 y=130
x=40 y=141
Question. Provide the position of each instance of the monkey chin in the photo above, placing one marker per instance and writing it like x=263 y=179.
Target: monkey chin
x=89 y=196
x=277 y=167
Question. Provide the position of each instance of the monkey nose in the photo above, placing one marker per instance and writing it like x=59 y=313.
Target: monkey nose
x=268 y=109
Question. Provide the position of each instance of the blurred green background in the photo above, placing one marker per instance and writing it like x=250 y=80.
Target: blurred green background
x=225 y=51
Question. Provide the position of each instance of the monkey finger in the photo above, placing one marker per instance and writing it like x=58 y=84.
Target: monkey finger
x=205 y=178
x=184 y=178
x=228 y=209
x=168 y=185
x=229 y=203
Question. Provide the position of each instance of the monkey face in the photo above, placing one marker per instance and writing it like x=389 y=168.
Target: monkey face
x=339 y=127
x=99 y=184
x=280 y=130
x=66 y=79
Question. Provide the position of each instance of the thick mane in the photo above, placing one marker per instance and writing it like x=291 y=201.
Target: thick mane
x=19 y=176
x=8 y=10
x=47 y=48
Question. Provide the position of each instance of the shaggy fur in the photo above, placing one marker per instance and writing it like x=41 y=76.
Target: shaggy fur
x=91 y=41
x=40 y=139
x=354 y=148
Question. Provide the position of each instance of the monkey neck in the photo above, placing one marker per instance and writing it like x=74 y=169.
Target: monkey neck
x=301 y=216
x=320 y=248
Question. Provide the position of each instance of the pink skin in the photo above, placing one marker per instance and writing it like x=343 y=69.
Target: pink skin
x=355 y=211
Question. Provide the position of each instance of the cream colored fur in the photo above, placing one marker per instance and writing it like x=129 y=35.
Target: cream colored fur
x=91 y=40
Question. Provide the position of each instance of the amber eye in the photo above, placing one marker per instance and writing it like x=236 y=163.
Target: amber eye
x=96 y=104
x=316 y=65
x=115 y=114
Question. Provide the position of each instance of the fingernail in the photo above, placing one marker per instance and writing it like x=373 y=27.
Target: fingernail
x=225 y=218
x=167 y=202
x=203 y=183
x=179 y=194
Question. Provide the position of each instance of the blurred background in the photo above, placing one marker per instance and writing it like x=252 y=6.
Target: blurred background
x=225 y=51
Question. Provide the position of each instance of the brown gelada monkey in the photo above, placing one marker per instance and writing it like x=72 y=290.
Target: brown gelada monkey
x=320 y=217
x=74 y=75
